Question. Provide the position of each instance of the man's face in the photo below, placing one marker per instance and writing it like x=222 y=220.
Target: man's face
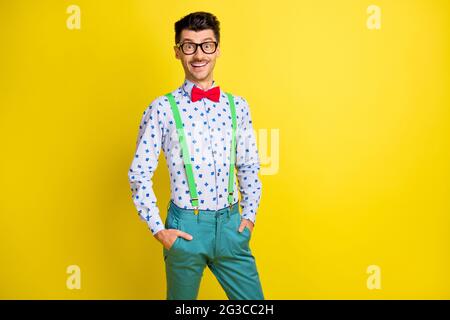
x=198 y=66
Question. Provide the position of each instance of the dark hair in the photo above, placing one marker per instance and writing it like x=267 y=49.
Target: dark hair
x=197 y=21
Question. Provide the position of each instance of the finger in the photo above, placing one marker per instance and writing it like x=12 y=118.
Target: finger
x=241 y=227
x=184 y=235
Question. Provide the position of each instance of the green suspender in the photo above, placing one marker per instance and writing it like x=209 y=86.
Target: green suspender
x=233 y=150
x=185 y=151
x=187 y=158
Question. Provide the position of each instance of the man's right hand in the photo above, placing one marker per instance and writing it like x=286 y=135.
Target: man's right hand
x=168 y=236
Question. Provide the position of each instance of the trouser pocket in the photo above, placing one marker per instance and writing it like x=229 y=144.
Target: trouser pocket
x=239 y=241
x=172 y=222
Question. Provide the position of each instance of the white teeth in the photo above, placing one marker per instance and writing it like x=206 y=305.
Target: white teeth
x=199 y=65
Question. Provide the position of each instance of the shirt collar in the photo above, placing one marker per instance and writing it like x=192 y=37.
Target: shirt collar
x=188 y=85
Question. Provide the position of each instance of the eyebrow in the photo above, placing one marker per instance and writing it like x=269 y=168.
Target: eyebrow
x=187 y=39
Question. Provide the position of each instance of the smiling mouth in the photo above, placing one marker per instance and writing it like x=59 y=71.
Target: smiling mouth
x=198 y=65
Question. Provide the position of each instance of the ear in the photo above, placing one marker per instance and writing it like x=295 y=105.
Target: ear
x=177 y=52
x=218 y=51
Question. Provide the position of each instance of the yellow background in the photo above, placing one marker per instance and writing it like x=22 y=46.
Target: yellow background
x=363 y=117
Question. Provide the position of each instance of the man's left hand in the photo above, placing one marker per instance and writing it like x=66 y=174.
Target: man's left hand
x=246 y=223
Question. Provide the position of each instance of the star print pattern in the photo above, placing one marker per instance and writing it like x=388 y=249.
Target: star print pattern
x=208 y=130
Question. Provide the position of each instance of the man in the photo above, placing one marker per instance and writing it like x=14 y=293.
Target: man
x=194 y=126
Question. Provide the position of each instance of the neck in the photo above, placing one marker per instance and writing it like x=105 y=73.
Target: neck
x=202 y=84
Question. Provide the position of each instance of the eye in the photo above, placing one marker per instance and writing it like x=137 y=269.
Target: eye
x=209 y=47
x=188 y=46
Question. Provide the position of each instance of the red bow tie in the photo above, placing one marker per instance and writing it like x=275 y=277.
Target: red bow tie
x=212 y=94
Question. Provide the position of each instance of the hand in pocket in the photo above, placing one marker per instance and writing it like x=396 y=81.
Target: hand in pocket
x=168 y=237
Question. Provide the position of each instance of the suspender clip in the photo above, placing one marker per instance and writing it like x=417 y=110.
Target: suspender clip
x=195 y=206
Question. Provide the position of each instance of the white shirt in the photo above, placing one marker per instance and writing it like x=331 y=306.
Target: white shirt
x=207 y=125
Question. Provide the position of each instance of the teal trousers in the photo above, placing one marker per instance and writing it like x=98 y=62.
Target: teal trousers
x=218 y=244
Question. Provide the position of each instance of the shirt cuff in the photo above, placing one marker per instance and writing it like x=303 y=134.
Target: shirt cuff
x=154 y=221
x=249 y=215
x=156 y=229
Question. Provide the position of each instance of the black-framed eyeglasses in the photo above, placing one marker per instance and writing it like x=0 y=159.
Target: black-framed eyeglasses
x=191 y=47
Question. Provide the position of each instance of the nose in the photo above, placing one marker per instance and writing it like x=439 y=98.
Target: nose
x=199 y=55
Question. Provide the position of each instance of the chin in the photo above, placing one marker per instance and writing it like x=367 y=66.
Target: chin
x=199 y=76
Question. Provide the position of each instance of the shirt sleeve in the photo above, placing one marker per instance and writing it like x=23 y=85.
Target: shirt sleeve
x=144 y=164
x=247 y=162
